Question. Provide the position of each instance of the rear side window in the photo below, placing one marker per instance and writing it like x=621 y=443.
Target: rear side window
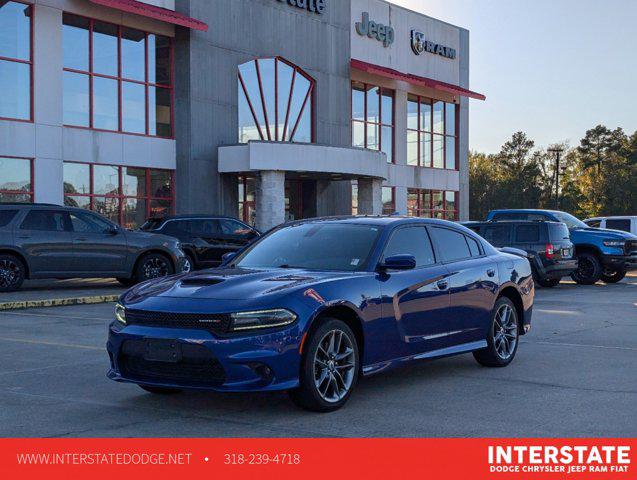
x=527 y=233
x=45 y=221
x=618 y=224
x=88 y=223
x=176 y=227
x=411 y=241
x=232 y=227
x=451 y=244
x=6 y=216
x=474 y=247
x=558 y=232
x=207 y=226
x=498 y=235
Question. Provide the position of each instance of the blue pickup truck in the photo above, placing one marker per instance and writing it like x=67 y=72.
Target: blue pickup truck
x=601 y=253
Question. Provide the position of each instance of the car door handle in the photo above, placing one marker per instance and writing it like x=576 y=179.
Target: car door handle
x=491 y=272
x=442 y=285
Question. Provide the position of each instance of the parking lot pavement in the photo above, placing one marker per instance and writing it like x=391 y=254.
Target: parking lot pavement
x=575 y=375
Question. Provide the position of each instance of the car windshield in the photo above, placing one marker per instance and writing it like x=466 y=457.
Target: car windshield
x=570 y=220
x=151 y=224
x=312 y=246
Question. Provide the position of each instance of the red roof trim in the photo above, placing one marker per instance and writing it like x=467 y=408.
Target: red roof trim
x=151 y=11
x=415 y=80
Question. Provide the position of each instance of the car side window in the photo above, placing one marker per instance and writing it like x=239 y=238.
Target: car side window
x=618 y=224
x=497 y=235
x=87 y=223
x=527 y=234
x=411 y=241
x=474 y=247
x=232 y=227
x=6 y=216
x=451 y=244
x=176 y=227
x=593 y=223
x=206 y=226
x=46 y=221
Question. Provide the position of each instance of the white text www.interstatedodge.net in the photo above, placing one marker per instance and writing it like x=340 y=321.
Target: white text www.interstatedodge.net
x=104 y=458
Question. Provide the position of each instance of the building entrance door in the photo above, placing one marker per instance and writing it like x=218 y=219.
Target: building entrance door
x=300 y=199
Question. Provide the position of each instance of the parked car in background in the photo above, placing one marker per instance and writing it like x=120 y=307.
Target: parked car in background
x=204 y=239
x=313 y=305
x=50 y=241
x=547 y=245
x=625 y=224
x=600 y=253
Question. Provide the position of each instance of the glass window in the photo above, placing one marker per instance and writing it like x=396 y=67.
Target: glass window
x=15 y=63
x=527 y=233
x=87 y=223
x=129 y=80
x=78 y=201
x=437 y=149
x=373 y=118
x=439 y=119
x=450 y=243
x=275 y=102
x=105 y=180
x=412 y=113
x=133 y=212
x=77 y=179
x=411 y=241
x=160 y=183
x=439 y=153
x=412 y=147
x=450 y=153
x=389 y=203
x=15 y=85
x=497 y=235
x=16 y=183
x=6 y=216
x=134 y=181
x=15 y=30
x=473 y=247
x=436 y=204
x=45 y=221
x=232 y=227
x=450 y=119
x=618 y=224
x=593 y=223
x=247 y=199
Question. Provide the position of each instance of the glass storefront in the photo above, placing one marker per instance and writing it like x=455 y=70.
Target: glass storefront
x=432 y=204
x=16 y=181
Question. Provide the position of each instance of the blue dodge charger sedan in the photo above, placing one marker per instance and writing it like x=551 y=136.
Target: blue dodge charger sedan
x=313 y=305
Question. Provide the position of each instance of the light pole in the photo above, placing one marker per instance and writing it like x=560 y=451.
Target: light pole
x=558 y=155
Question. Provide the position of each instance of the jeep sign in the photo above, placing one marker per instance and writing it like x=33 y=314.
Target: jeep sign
x=382 y=33
x=420 y=45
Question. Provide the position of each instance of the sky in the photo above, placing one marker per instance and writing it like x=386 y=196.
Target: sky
x=550 y=68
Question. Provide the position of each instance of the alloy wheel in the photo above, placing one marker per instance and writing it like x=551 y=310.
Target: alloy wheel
x=334 y=366
x=9 y=273
x=187 y=266
x=585 y=268
x=155 y=267
x=505 y=332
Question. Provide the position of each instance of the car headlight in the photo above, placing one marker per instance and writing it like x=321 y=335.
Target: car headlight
x=120 y=313
x=614 y=243
x=259 y=319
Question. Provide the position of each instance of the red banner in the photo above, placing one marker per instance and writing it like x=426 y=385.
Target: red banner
x=479 y=459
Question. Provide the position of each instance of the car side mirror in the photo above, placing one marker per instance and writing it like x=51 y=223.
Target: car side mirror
x=112 y=231
x=225 y=258
x=398 y=262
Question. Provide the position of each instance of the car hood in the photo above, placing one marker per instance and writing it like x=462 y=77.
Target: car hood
x=231 y=284
x=602 y=233
x=149 y=237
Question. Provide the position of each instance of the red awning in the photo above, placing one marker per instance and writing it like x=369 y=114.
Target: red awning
x=415 y=80
x=151 y=11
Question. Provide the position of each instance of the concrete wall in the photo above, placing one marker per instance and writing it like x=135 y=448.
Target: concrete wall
x=207 y=65
x=46 y=139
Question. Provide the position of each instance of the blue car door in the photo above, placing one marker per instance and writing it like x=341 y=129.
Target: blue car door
x=416 y=301
x=472 y=281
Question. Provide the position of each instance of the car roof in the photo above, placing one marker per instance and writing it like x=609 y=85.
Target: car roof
x=195 y=216
x=613 y=217
x=514 y=221
x=380 y=220
x=524 y=210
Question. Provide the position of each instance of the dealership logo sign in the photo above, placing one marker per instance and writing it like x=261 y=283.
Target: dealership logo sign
x=420 y=45
x=382 y=33
x=314 y=6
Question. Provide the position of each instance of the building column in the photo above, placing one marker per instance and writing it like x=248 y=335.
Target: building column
x=463 y=143
x=370 y=196
x=270 y=200
x=401 y=200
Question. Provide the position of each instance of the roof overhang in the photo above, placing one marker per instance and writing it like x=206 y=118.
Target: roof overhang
x=154 y=12
x=415 y=80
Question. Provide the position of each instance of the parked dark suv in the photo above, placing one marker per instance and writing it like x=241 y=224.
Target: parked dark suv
x=547 y=244
x=50 y=241
x=204 y=239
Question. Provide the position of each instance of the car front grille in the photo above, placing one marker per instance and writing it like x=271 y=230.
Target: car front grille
x=196 y=367
x=631 y=247
x=216 y=323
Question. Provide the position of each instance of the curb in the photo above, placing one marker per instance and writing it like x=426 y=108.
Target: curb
x=58 y=302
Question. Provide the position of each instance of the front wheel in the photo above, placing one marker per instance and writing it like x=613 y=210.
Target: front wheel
x=548 y=282
x=502 y=340
x=589 y=269
x=329 y=368
x=613 y=276
x=12 y=273
x=153 y=265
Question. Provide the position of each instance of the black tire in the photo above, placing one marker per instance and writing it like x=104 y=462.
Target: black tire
x=340 y=376
x=153 y=265
x=126 y=282
x=589 y=269
x=613 y=276
x=548 y=282
x=160 y=390
x=492 y=356
x=12 y=273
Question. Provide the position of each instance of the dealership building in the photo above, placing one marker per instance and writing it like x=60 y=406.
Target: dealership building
x=266 y=110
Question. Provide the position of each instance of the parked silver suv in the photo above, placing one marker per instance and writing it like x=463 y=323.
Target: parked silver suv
x=50 y=241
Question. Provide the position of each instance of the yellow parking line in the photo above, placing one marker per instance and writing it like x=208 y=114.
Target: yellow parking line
x=57 y=302
x=53 y=344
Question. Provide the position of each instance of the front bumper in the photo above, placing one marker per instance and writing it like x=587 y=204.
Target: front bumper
x=196 y=359
x=620 y=262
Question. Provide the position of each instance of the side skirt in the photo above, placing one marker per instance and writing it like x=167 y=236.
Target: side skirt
x=442 y=352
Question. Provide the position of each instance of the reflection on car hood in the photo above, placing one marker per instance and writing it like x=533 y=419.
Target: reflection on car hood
x=230 y=284
x=602 y=232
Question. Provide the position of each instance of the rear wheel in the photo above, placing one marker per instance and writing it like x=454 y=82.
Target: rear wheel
x=153 y=265
x=589 y=269
x=547 y=282
x=613 y=276
x=160 y=390
x=329 y=368
x=189 y=264
x=12 y=273
x=502 y=340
